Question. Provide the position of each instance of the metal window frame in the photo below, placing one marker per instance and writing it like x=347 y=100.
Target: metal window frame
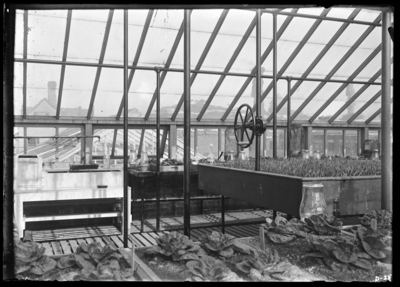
x=374 y=115
x=101 y=59
x=354 y=97
x=364 y=107
x=297 y=50
x=25 y=65
x=342 y=87
x=336 y=36
x=263 y=58
x=136 y=59
x=167 y=64
x=64 y=59
x=203 y=56
x=336 y=67
x=232 y=60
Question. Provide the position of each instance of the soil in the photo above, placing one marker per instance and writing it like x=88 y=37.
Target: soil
x=310 y=269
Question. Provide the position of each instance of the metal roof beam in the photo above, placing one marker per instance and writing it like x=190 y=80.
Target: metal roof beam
x=342 y=87
x=374 y=115
x=228 y=67
x=114 y=141
x=202 y=58
x=263 y=57
x=317 y=59
x=64 y=59
x=374 y=24
x=364 y=107
x=136 y=59
x=25 y=68
x=101 y=59
x=355 y=96
x=337 y=66
x=167 y=64
x=295 y=52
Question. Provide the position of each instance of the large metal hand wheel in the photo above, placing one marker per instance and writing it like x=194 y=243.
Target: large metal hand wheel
x=244 y=126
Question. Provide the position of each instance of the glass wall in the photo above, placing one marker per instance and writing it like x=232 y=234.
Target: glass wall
x=334 y=142
x=350 y=142
x=318 y=141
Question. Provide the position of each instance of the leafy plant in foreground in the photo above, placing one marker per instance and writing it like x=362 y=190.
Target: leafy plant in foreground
x=207 y=268
x=323 y=225
x=218 y=242
x=282 y=230
x=383 y=220
x=177 y=245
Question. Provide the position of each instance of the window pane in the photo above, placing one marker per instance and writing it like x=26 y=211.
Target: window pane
x=351 y=143
x=318 y=141
x=334 y=142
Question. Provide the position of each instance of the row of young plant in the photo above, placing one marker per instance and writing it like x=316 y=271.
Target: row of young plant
x=335 y=167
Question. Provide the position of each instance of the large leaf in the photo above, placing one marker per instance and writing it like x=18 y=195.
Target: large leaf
x=26 y=252
x=280 y=238
x=187 y=256
x=362 y=263
x=244 y=266
x=65 y=262
x=43 y=265
x=335 y=265
x=21 y=268
x=227 y=252
x=344 y=257
x=83 y=263
x=161 y=250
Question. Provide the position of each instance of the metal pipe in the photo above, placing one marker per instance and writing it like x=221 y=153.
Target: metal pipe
x=25 y=68
x=223 y=214
x=274 y=97
x=158 y=153
x=186 y=129
x=258 y=87
x=113 y=66
x=288 y=116
x=386 y=189
x=125 y=205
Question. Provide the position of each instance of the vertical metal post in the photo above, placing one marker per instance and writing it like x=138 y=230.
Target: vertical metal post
x=386 y=190
x=186 y=128
x=325 y=142
x=195 y=140
x=289 y=79
x=57 y=134
x=125 y=206
x=172 y=141
x=223 y=214
x=219 y=141
x=25 y=140
x=275 y=88
x=284 y=142
x=358 y=142
x=380 y=142
x=158 y=153
x=343 y=143
x=8 y=123
x=258 y=86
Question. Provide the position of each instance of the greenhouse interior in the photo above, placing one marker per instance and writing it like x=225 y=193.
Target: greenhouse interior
x=197 y=143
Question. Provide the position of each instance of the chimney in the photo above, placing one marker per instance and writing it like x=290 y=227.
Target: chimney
x=51 y=93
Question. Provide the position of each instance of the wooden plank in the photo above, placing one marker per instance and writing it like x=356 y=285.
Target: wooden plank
x=76 y=229
x=139 y=240
x=64 y=233
x=240 y=230
x=89 y=240
x=154 y=235
x=122 y=240
x=65 y=247
x=74 y=244
x=149 y=238
x=143 y=239
x=109 y=241
x=133 y=240
x=49 y=248
x=56 y=248
x=99 y=240
x=236 y=231
x=117 y=241
x=81 y=240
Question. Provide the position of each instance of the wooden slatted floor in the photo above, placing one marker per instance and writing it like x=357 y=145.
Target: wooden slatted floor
x=60 y=247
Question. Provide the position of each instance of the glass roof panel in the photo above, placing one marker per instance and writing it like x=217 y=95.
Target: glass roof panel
x=225 y=94
x=358 y=103
x=367 y=15
x=171 y=91
x=115 y=45
x=87 y=30
x=140 y=93
x=202 y=24
x=110 y=87
x=19 y=33
x=160 y=37
x=42 y=89
x=337 y=51
x=78 y=85
x=18 y=84
x=369 y=111
x=229 y=36
x=246 y=59
x=373 y=66
x=46 y=26
x=337 y=12
x=320 y=98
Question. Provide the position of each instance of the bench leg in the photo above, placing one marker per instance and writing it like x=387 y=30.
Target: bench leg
x=19 y=215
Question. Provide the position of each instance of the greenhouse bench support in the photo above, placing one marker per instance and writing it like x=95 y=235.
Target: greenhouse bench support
x=223 y=213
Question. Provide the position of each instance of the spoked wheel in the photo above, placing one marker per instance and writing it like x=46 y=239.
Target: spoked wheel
x=244 y=126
